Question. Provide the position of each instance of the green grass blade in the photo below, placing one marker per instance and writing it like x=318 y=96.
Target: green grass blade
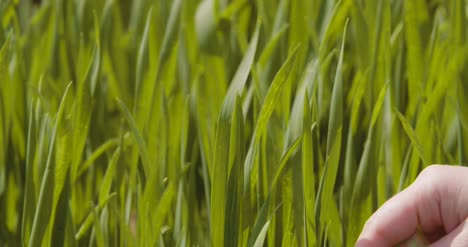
x=261 y=236
x=269 y=104
x=234 y=204
x=328 y=180
x=162 y=209
x=170 y=32
x=43 y=211
x=138 y=137
x=366 y=167
x=412 y=136
x=89 y=221
x=221 y=155
x=107 y=180
x=284 y=161
x=308 y=175
x=29 y=197
x=95 y=155
x=142 y=60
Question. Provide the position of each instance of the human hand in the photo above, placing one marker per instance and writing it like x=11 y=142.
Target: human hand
x=436 y=204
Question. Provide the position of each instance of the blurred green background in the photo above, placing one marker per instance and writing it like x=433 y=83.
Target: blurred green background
x=221 y=122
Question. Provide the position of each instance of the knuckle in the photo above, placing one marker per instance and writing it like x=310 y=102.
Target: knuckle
x=430 y=174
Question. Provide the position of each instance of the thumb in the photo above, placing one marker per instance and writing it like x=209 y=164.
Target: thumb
x=457 y=237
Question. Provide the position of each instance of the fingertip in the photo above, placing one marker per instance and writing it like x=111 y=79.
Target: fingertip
x=364 y=242
x=371 y=237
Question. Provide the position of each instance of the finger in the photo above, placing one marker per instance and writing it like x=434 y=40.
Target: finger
x=432 y=201
x=416 y=240
x=456 y=238
x=393 y=223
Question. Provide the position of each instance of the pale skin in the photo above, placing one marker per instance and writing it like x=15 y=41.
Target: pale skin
x=436 y=204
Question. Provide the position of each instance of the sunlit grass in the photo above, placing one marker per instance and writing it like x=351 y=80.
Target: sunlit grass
x=221 y=122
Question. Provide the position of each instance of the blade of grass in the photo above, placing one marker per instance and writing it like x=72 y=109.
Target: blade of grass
x=89 y=221
x=268 y=106
x=138 y=137
x=308 y=175
x=412 y=135
x=43 y=211
x=328 y=179
x=221 y=155
x=29 y=196
x=233 y=227
x=261 y=236
x=107 y=180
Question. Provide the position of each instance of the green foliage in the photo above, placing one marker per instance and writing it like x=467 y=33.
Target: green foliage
x=221 y=122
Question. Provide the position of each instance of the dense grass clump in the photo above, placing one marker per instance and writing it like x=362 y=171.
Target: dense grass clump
x=221 y=122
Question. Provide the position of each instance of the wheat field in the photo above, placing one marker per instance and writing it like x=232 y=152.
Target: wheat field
x=221 y=122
